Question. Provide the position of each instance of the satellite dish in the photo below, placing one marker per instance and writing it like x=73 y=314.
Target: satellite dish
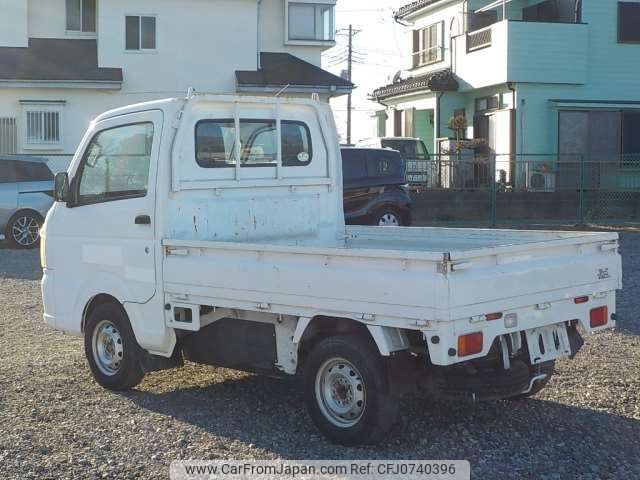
x=397 y=77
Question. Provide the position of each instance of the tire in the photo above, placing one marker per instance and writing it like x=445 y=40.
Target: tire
x=547 y=368
x=111 y=348
x=388 y=217
x=23 y=230
x=346 y=391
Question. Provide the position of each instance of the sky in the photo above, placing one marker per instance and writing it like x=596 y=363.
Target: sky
x=379 y=53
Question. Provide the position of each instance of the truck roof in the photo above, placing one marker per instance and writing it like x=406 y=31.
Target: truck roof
x=204 y=97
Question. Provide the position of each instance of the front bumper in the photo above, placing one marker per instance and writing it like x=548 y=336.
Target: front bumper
x=48 y=297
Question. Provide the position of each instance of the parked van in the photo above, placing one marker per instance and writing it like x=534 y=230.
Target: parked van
x=211 y=229
x=26 y=194
x=375 y=188
x=420 y=168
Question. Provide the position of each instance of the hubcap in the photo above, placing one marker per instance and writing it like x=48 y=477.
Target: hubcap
x=340 y=392
x=25 y=231
x=108 y=351
x=388 y=220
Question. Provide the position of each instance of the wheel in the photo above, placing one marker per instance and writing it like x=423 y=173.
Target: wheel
x=546 y=368
x=111 y=348
x=23 y=230
x=346 y=391
x=388 y=217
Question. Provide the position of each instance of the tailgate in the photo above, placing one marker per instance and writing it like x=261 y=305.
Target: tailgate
x=499 y=278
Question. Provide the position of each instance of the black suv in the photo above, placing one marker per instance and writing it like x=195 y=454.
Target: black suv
x=375 y=190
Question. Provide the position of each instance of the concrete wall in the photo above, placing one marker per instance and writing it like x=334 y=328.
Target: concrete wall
x=199 y=44
x=13 y=23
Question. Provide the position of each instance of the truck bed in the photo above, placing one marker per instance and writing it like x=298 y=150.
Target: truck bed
x=436 y=274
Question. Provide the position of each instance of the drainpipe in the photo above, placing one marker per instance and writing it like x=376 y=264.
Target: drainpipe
x=514 y=130
x=438 y=117
x=258 y=33
x=578 y=11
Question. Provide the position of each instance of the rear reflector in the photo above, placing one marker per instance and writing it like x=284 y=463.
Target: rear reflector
x=580 y=300
x=598 y=317
x=469 y=344
x=493 y=316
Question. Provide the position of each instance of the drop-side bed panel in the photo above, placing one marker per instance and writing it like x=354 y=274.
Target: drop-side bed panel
x=306 y=281
x=376 y=273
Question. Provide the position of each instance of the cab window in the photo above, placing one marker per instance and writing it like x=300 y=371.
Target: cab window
x=115 y=165
x=216 y=143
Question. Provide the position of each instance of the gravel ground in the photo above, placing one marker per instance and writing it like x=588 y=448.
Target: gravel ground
x=55 y=422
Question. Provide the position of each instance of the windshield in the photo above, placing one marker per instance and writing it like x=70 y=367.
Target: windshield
x=409 y=149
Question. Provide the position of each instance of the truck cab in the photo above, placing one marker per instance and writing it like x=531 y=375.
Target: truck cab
x=211 y=228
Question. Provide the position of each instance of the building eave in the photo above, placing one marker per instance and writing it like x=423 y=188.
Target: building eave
x=61 y=84
x=416 y=8
x=433 y=82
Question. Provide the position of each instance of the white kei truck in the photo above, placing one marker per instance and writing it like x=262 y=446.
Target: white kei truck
x=210 y=228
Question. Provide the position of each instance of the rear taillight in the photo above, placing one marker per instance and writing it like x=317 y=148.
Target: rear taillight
x=470 y=344
x=580 y=300
x=493 y=316
x=598 y=317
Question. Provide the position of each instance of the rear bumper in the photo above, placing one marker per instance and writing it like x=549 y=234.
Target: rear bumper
x=442 y=341
x=486 y=384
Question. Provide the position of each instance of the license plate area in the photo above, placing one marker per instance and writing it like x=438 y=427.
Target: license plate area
x=548 y=343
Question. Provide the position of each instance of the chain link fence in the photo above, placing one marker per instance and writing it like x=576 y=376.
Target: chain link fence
x=492 y=190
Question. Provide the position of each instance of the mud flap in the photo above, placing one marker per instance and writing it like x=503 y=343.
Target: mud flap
x=575 y=341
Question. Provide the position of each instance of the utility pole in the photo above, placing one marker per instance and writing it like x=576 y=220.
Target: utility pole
x=351 y=56
x=349 y=70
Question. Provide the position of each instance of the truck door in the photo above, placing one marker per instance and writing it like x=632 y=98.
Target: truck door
x=110 y=227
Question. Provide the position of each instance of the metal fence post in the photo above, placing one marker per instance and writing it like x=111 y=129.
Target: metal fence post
x=581 y=191
x=492 y=167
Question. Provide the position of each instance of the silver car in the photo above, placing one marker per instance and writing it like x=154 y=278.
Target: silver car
x=26 y=186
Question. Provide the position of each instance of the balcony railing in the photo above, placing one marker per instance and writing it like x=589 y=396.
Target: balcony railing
x=427 y=56
x=479 y=39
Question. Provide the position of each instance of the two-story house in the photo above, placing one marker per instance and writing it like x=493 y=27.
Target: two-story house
x=62 y=62
x=552 y=79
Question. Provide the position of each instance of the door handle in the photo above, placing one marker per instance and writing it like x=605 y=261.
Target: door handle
x=143 y=220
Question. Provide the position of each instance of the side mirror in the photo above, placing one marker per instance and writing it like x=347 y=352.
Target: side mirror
x=61 y=187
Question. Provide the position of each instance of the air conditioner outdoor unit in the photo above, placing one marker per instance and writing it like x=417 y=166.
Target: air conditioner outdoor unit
x=541 y=181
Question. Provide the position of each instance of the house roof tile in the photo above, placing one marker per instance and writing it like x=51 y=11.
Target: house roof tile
x=280 y=69
x=438 y=81
x=52 y=59
x=414 y=7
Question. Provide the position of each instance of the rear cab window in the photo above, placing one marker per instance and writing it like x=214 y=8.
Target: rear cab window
x=216 y=143
x=372 y=166
x=354 y=164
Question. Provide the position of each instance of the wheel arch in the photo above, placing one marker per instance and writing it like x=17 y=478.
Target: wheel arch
x=310 y=331
x=96 y=301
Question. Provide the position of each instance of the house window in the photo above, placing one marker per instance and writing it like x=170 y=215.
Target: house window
x=81 y=16
x=427 y=45
x=311 y=21
x=216 y=143
x=628 y=21
x=631 y=137
x=486 y=104
x=8 y=135
x=42 y=124
x=140 y=32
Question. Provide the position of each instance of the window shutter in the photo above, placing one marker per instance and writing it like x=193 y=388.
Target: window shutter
x=416 y=48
